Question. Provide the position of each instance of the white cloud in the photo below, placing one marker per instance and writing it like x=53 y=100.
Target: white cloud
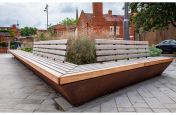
x=32 y=14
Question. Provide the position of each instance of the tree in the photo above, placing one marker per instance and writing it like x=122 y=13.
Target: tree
x=28 y=31
x=153 y=16
x=69 y=21
x=51 y=30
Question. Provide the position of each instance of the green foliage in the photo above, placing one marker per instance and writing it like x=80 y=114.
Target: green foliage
x=153 y=16
x=12 y=33
x=51 y=30
x=81 y=51
x=12 y=45
x=3 y=45
x=27 y=49
x=42 y=37
x=155 y=51
x=69 y=21
x=28 y=31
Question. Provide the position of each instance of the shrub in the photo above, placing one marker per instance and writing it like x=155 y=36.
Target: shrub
x=12 y=45
x=155 y=51
x=3 y=45
x=81 y=51
x=27 y=49
x=42 y=37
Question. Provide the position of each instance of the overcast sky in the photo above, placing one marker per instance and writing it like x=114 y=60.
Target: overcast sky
x=33 y=15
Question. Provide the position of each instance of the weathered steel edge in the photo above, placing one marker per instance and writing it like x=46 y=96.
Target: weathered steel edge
x=80 y=92
x=69 y=78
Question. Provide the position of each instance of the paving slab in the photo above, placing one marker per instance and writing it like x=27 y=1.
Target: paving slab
x=109 y=106
x=126 y=109
x=143 y=110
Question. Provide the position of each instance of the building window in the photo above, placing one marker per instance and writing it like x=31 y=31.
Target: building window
x=82 y=24
x=117 y=30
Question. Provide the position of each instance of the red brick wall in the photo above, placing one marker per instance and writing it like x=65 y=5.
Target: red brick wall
x=97 y=25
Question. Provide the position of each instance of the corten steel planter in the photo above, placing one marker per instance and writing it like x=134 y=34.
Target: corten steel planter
x=3 y=50
x=80 y=92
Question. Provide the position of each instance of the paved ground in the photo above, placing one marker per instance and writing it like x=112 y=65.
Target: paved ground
x=22 y=91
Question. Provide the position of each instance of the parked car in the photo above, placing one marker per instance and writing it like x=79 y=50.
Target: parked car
x=167 y=46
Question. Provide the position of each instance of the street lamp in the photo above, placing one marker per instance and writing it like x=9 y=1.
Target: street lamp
x=46 y=10
x=126 y=23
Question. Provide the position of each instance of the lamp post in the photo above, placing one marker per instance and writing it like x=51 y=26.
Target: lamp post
x=46 y=10
x=126 y=23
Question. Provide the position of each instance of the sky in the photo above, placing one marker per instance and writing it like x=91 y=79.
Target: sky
x=32 y=13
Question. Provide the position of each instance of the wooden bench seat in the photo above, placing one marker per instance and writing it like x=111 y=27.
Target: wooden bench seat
x=82 y=83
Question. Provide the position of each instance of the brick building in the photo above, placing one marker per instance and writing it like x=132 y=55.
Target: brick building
x=61 y=30
x=97 y=24
x=4 y=32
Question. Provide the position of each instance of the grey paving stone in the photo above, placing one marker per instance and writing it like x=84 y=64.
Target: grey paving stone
x=168 y=92
x=139 y=104
x=170 y=106
x=123 y=101
x=160 y=110
x=93 y=109
x=63 y=104
x=48 y=101
x=143 y=110
x=144 y=92
x=172 y=110
x=47 y=107
x=163 y=98
x=37 y=97
x=109 y=106
x=135 y=97
x=126 y=109
x=31 y=101
x=153 y=103
x=14 y=111
x=28 y=107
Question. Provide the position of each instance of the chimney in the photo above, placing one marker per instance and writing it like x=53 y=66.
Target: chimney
x=97 y=9
x=110 y=12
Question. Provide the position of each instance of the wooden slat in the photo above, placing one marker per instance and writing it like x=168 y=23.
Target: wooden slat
x=64 y=41
x=120 y=57
x=59 y=52
x=51 y=74
x=111 y=57
x=111 y=52
x=96 y=73
x=58 y=47
x=138 y=55
x=59 y=63
x=45 y=63
x=106 y=41
x=110 y=47
x=59 y=68
x=56 y=57
x=148 y=63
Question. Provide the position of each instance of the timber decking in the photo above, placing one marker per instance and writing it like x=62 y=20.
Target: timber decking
x=72 y=73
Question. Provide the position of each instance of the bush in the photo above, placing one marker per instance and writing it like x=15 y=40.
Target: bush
x=155 y=51
x=27 y=49
x=3 y=45
x=12 y=45
x=81 y=51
